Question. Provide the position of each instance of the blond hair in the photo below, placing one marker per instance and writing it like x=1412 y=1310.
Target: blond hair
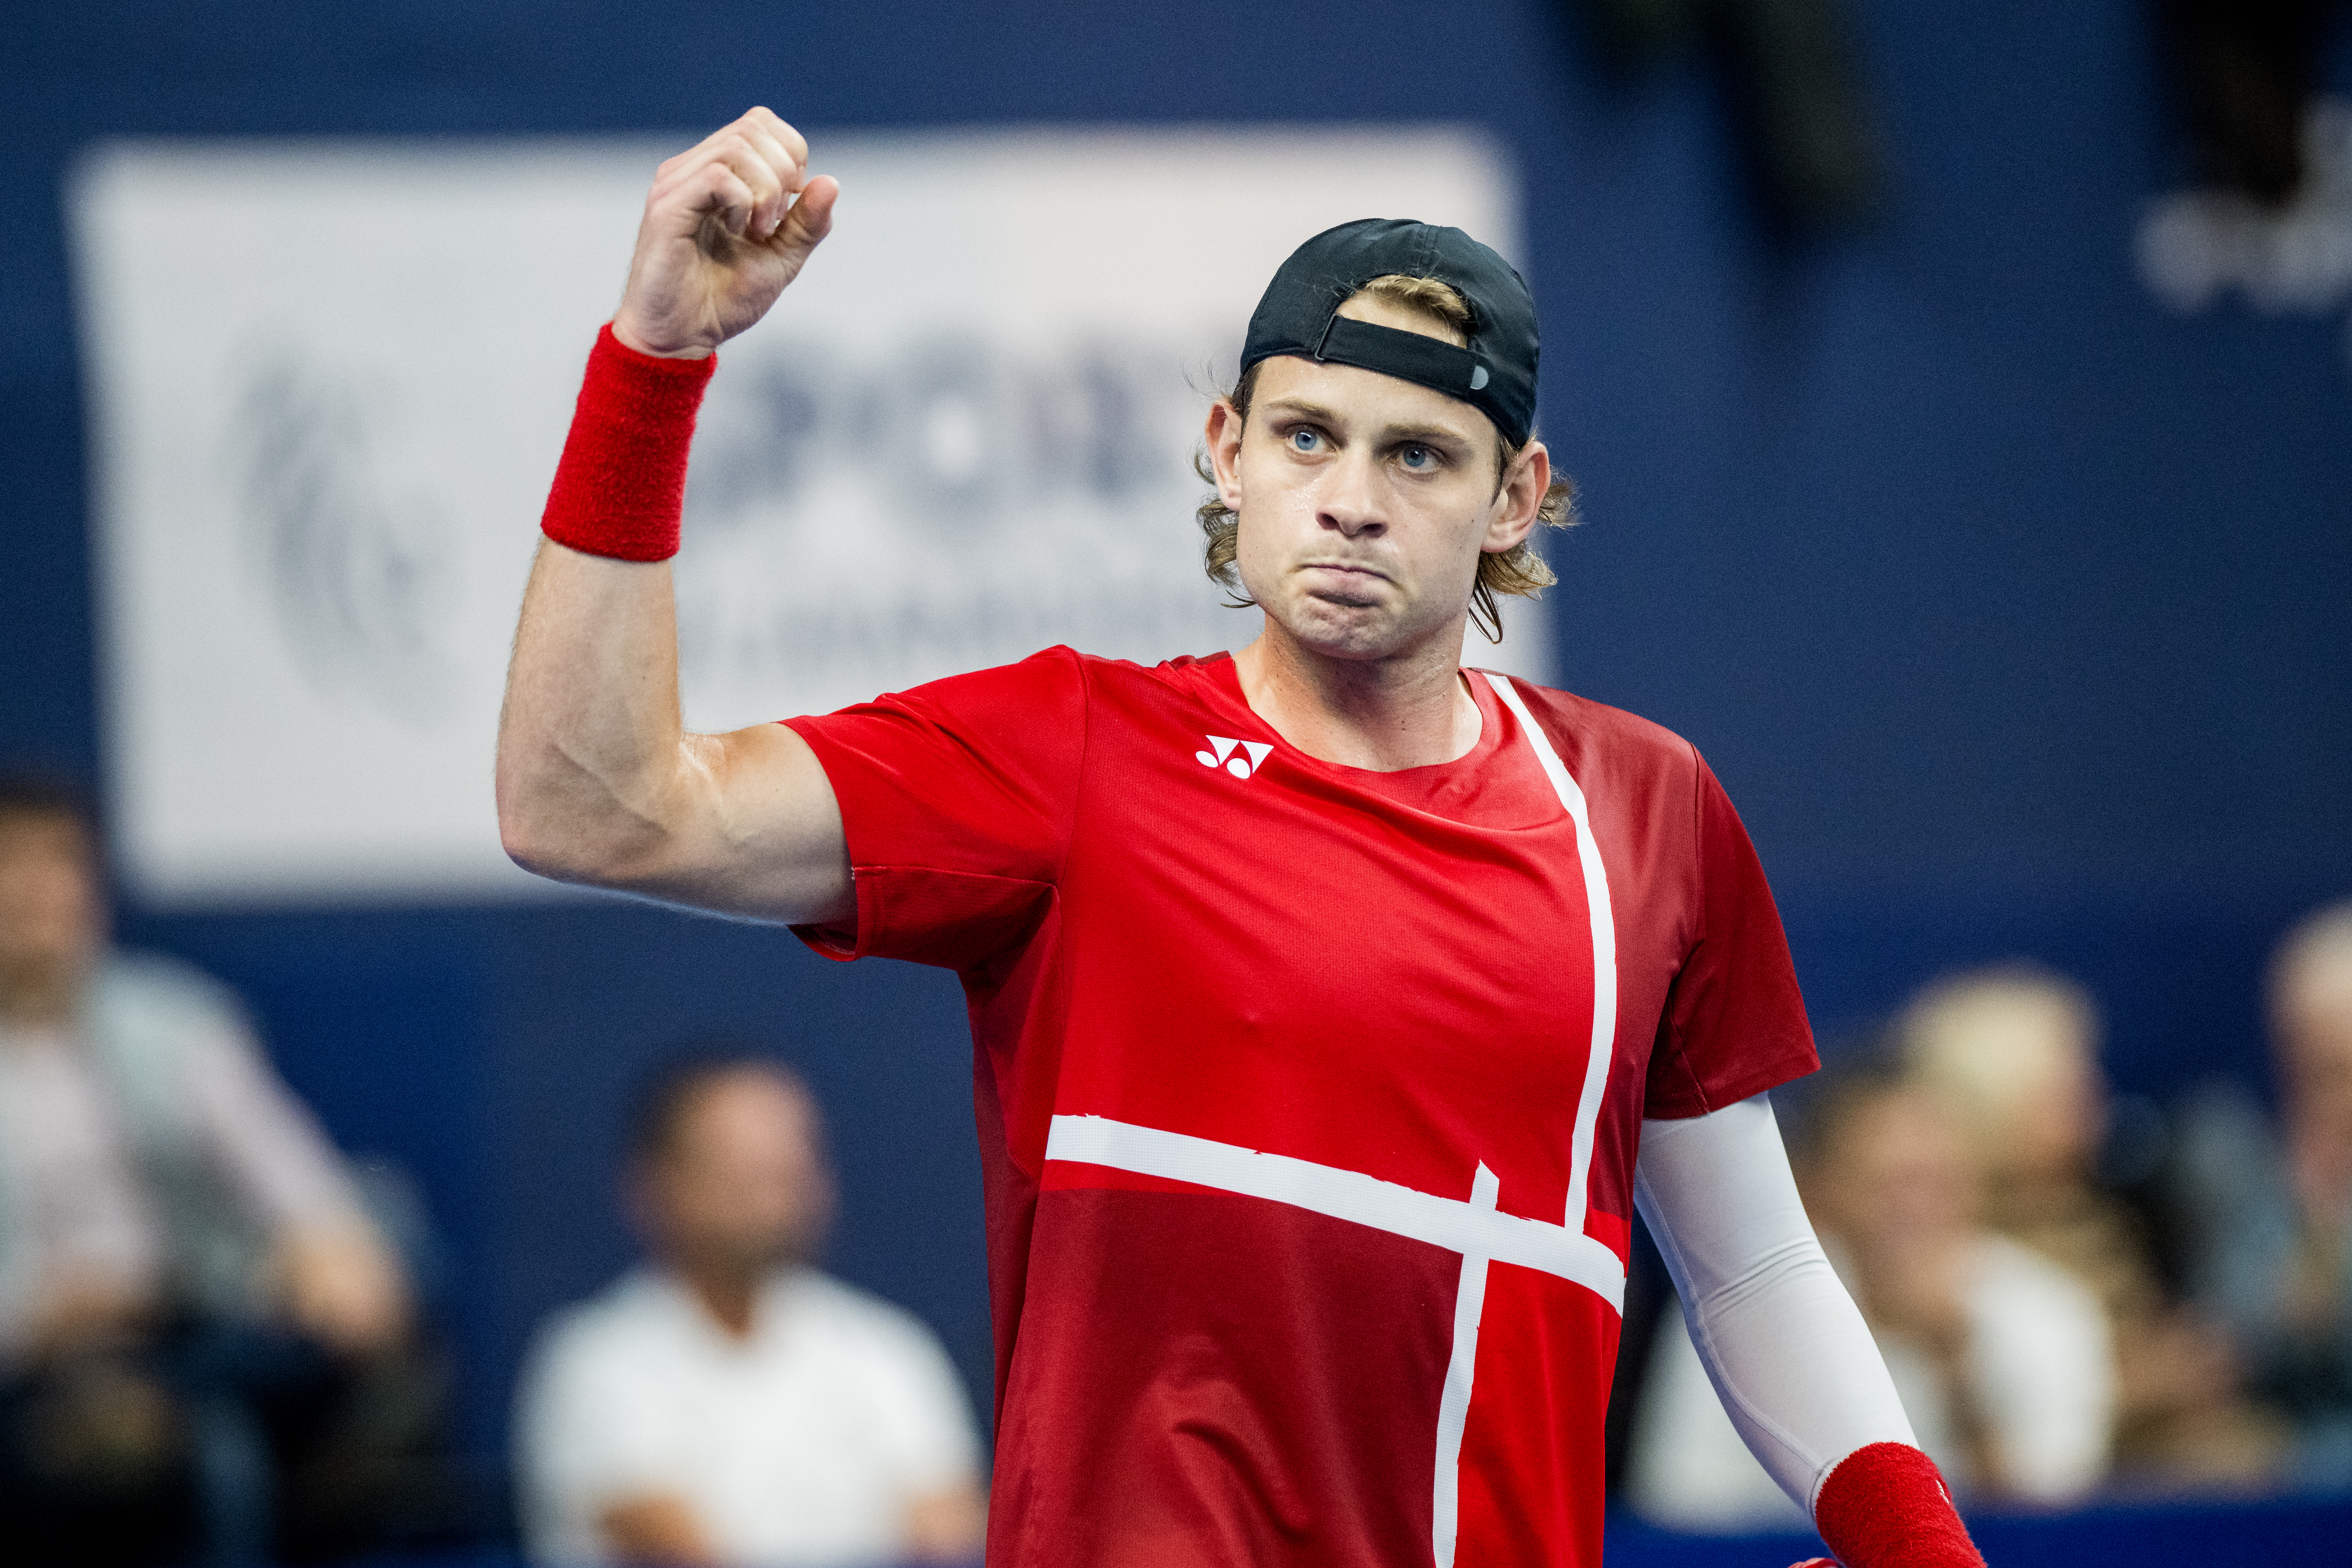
x=2312 y=969
x=1520 y=570
x=1991 y=1040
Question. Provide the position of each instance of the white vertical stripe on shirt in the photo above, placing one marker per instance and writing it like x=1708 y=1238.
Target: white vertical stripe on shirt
x=1454 y=1404
x=1604 y=952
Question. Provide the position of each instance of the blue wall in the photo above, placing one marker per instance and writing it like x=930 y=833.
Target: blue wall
x=2012 y=610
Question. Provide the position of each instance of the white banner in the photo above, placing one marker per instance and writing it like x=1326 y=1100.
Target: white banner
x=329 y=383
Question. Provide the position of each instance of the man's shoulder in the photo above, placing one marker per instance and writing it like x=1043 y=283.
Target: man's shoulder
x=1056 y=690
x=850 y=1310
x=1062 y=664
x=2012 y=1279
x=154 y=1018
x=1625 y=737
x=1053 y=676
x=156 y=982
x=635 y=1310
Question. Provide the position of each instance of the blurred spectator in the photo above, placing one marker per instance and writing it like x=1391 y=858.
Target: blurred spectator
x=205 y=1342
x=728 y=1404
x=2001 y=1357
x=2012 y=1050
x=2272 y=1211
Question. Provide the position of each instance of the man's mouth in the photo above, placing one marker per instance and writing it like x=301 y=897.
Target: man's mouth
x=1344 y=585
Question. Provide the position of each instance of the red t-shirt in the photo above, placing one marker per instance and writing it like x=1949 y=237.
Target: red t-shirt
x=1309 y=1096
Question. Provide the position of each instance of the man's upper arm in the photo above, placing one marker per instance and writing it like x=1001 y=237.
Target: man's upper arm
x=956 y=799
x=585 y=1433
x=782 y=824
x=751 y=828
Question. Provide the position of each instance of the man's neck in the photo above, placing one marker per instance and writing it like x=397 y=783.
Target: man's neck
x=2321 y=1161
x=37 y=996
x=1383 y=715
x=730 y=1298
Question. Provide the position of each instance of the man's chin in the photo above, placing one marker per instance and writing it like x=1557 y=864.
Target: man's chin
x=42 y=983
x=1357 y=634
x=749 y=1263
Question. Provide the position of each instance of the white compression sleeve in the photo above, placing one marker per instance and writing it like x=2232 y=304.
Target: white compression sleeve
x=1782 y=1342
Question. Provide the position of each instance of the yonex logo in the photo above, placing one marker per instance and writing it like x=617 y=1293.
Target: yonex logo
x=1237 y=766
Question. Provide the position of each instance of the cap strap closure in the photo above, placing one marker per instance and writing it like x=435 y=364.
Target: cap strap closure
x=1409 y=356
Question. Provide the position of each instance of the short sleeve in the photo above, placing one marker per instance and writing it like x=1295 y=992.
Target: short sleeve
x=957 y=800
x=923 y=1417
x=1734 y=1023
x=268 y=1140
x=584 y=1435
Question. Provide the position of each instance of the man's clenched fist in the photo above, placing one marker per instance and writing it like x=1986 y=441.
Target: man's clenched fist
x=727 y=226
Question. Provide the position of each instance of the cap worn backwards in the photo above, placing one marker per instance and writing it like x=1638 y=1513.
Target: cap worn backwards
x=1496 y=372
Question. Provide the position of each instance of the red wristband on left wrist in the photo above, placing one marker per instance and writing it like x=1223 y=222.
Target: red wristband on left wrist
x=1885 y=1506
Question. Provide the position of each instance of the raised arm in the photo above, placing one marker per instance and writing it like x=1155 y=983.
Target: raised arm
x=598 y=782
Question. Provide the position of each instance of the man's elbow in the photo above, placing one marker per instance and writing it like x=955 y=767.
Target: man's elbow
x=550 y=837
x=529 y=846
x=586 y=837
x=536 y=844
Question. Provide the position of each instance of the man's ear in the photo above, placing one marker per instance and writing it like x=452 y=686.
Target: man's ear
x=1518 y=500
x=1223 y=435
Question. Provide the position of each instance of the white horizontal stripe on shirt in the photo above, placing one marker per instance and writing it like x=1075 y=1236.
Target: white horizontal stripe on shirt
x=1454 y=1224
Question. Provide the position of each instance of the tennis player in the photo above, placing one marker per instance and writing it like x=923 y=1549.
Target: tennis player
x=1323 y=995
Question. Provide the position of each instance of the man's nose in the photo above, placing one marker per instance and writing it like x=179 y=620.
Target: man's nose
x=1352 y=499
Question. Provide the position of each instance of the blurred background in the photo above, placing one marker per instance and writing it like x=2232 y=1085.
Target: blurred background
x=1961 y=396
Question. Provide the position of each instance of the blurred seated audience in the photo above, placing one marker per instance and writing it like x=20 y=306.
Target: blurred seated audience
x=205 y=1345
x=2013 y=1052
x=2000 y=1356
x=2272 y=1209
x=725 y=1404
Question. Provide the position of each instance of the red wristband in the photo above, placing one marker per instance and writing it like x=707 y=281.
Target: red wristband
x=1885 y=1506
x=620 y=489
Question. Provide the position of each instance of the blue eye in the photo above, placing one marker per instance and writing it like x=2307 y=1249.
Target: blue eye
x=1417 y=456
x=1303 y=440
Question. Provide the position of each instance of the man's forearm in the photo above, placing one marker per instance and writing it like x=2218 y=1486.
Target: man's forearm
x=597 y=781
x=1795 y=1364
x=660 y=1529
x=590 y=740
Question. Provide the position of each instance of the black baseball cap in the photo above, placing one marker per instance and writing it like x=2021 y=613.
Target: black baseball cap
x=1495 y=374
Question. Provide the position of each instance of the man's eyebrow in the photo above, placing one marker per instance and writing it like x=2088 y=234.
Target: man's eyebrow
x=1435 y=434
x=1389 y=435
x=1300 y=406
